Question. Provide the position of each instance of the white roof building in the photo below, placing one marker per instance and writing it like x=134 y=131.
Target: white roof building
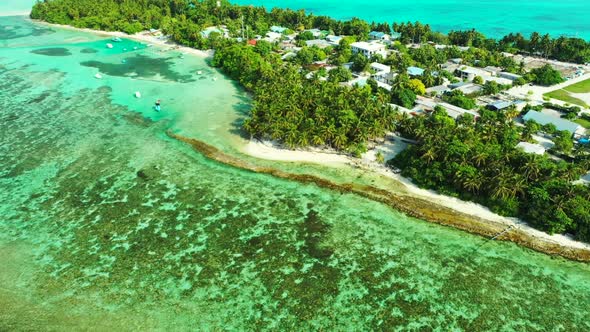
x=380 y=68
x=367 y=49
x=531 y=148
x=273 y=37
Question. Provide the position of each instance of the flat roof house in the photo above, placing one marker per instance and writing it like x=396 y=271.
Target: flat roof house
x=415 y=71
x=380 y=68
x=378 y=35
x=499 y=105
x=560 y=124
x=367 y=49
x=333 y=40
x=510 y=76
x=531 y=148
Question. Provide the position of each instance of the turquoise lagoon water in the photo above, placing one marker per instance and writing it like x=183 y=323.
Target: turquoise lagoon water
x=107 y=224
x=495 y=18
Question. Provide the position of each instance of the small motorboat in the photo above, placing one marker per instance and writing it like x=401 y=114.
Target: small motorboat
x=157 y=107
x=137 y=94
x=98 y=75
x=135 y=47
x=109 y=45
x=199 y=73
x=116 y=39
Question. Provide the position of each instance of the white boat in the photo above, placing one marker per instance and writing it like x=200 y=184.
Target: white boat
x=134 y=47
x=109 y=45
x=137 y=94
x=116 y=39
x=199 y=72
x=98 y=75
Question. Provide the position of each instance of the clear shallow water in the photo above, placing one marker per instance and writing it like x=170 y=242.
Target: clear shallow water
x=105 y=222
x=495 y=18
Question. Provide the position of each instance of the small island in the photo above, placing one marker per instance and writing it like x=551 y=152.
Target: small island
x=498 y=122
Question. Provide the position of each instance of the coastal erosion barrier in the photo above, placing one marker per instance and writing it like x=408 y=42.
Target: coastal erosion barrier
x=412 y=206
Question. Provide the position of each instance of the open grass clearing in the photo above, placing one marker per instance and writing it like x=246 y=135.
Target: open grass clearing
x=580 y=87
x=583 y=122
x=565 y=96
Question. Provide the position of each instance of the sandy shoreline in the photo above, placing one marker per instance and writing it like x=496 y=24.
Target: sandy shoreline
x=266 y=150
x=143 y=37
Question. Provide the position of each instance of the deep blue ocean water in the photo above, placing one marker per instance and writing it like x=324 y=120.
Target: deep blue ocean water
x=495 y=18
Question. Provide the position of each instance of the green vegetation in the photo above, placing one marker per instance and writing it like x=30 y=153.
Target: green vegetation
x=565 y=96
x=299 y=112
x=458 y=99
x=580 y=87
x=545 y=75
x=583 y=122
x=478 y=161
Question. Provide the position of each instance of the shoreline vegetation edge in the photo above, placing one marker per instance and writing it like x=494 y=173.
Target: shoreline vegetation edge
x=414 y=204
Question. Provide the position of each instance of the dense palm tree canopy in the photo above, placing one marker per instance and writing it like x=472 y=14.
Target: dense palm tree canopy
x=479 y=161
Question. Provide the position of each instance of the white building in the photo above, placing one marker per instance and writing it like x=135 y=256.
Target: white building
x=531 y=148
x=368 y=49
x=380 y=68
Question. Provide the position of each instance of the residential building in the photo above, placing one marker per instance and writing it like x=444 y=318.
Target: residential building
x=415 y=71
x=378 y=35
x=386 y=78
x=321 y=43
x=368 y=49
x=493 y=70
x=278 y=29
x=334 y=40
x=466 y=87
x=499 y=105
x=560 y=124
x=437 y=90
x=380 y=68
x=531 y=148
x=273 y=37
x=510 y=76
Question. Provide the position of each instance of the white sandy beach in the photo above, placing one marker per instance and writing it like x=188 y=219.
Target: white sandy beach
x=268 y=150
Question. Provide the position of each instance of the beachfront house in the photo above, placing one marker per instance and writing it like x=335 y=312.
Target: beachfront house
x=368 y=49
x=561 y=124
x=415 y=71
x=378 y=35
